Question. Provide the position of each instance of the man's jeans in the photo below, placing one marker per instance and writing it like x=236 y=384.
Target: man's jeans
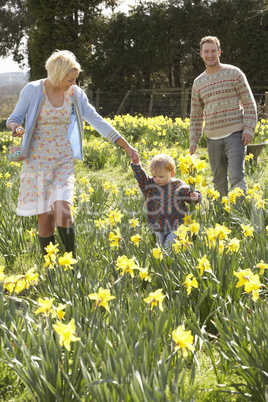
x=227 y=153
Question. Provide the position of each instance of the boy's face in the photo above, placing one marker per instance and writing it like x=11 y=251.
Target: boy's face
x=161 y=177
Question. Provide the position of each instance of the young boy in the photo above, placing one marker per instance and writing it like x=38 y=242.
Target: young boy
x=165 y=197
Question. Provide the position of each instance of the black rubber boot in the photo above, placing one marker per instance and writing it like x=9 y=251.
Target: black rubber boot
x=44 y=242
x=67 y=236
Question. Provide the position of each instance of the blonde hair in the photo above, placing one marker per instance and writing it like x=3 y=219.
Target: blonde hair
x=59 y=64
x=162 y=161
x=210 y=39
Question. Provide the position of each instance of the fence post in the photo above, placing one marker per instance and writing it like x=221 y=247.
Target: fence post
x=90 y=95
x=182 y=101
x=123 y=102
x=185 y=103
x=151 y=104
x=266 y=105
x=97 y=99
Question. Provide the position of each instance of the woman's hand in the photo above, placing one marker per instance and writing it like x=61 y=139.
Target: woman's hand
x=13 y=127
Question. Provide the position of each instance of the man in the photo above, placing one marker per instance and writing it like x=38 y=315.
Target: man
x=222 y=97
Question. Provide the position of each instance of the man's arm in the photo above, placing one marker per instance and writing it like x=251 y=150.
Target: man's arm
x=250 y=117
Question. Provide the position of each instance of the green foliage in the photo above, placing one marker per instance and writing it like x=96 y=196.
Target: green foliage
x=155 y=46
x=128 y=353
x=242 y=343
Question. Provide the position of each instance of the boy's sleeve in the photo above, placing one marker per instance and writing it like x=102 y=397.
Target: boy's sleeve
x=184 y=192
x=199 y=196
x=142 y=177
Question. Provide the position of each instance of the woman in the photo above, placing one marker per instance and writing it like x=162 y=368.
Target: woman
x=54 y=109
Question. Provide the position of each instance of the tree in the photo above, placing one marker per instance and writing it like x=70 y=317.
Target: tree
x=12 y=23
x=48 y=25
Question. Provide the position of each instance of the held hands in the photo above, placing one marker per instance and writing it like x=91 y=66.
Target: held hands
x=194 y=196
x=134 y=156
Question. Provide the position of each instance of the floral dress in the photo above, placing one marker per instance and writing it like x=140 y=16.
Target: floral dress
x=48 y=171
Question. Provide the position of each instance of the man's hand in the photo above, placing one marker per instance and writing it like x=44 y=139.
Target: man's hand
x=246 y=138
x=192 y=149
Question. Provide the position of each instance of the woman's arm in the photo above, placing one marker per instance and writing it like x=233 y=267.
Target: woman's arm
x=133 y=153
x=102 y=126
x=21 y=109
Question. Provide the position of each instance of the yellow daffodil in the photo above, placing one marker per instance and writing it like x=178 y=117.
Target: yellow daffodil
x=244 y=276
x=50 y=260
x=247 y=230
x=213 y=194
x=194 y=228
x=136 y=239
x=222 y=231
x=233 y=245
x=134 y=222
x=114 y=217
x=99 y=223
x=66 y=333
x=262 y=265
x=45 y=306
x=203 y=265
x=158 y=253
x=31 y=277
x=32 y=232
x=190 y=282
x=181 y=232
x=67 y=260
x=84 y=180
x=60 y=313
x=114 y=238
x=144 y=274
x=115 y=189
x=51 y=249
x=253 y=285
x=155 y=298
x=84 y=197
x=234 y=194
x=102 y=298
x=183 y=340
x=2 y=275
x=126 y=265
x=14 y=283
x=187 y=219
x=249 y=157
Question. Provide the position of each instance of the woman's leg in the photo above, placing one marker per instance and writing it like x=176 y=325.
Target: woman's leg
x=65 y=224
x=46 y=230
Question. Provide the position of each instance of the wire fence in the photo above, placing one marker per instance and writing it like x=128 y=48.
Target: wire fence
x=172 y=103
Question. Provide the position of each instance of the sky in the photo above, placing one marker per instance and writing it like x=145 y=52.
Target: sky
x=7 y=65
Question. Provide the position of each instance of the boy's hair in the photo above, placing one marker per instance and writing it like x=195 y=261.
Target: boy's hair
x=162 y=161
x=59 y=64
x=210 y=39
